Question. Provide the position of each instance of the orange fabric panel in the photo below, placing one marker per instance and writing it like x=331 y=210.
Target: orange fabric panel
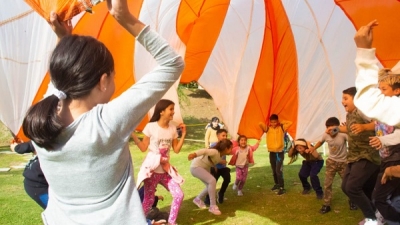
x=65 y=9
x=275 y=87
x=386 y=38
x=198 y=26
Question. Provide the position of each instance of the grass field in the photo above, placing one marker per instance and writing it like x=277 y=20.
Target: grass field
x=259 y=205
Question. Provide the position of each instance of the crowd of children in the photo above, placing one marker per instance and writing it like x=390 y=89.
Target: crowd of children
x=369 y=166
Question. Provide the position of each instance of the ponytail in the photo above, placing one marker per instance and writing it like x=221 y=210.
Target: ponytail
x=42 y=124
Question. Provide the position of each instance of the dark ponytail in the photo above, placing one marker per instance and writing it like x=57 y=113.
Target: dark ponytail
x=41 y=123
x=76 y=66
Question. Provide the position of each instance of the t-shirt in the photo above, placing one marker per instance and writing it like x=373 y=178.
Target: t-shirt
x=241 y=160
x=160 y=140
x=337 y=146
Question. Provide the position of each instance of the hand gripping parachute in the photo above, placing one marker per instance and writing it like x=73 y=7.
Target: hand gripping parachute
x=256 y=57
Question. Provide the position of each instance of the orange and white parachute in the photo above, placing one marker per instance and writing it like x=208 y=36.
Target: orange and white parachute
x=254 y=57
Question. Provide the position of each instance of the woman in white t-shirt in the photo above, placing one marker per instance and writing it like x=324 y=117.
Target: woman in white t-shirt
x=159 y=137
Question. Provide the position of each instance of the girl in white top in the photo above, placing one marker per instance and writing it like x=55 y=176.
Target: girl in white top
x=159 y=137
x=203 y=161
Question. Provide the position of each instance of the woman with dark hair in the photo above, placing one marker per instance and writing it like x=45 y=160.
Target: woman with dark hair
x=211 y=132
x=81 y=137
x=203 y=161
x=311 y=166
x=159 y=137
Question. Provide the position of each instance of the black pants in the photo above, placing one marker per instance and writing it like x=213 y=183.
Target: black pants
x=225 y=173
x=358 y=184
x=311 y=169
x=383 y=192
x=276 y=161
x=37 y=192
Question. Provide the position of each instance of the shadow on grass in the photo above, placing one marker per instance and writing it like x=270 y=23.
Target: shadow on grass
x=199 y=93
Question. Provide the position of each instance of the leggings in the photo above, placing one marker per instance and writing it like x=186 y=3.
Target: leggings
x=241 y=176
x=165 y=180
x=208 y=179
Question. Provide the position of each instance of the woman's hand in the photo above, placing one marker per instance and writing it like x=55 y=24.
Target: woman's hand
x=192 y=156
x=60 y=28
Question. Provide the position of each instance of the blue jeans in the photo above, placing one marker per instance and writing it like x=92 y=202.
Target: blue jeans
x=311 y=169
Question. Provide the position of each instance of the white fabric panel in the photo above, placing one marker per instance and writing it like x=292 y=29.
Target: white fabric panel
x=161 y=16
x=25 y=47
x=230 y=72
x=326 y=53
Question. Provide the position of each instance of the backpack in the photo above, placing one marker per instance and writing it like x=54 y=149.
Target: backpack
x=287 y=143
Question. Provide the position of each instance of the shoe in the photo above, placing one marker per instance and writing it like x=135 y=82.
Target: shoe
x=207 y=200
x=220 y=198
x=325 y=209
x=320 y=196
x=234 y=187
x=281 y=191
x=379 y=218
x=199 y=203
x=214 y=210
x=352 y=205
x=306 y=191
x=240 y=193
x=275 y=187
x=368 y=221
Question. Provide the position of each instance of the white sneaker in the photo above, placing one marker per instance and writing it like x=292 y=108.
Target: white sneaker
x=379 y=218
x=199 y=203
x=214 y=210
x=240 y=193
x=368 y=221
x=234 y=187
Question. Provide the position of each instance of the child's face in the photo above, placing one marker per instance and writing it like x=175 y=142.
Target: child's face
x=273 y=123
x=222 y=136
x=348 y=103
x=387 y=90
x=169 y=112
x=215 y=123
x=300 y=148
x=243 y=142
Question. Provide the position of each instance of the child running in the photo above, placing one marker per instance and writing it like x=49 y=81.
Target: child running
x=242 y=157
x=159 y=137
x=336 y=162
x=203 y=161
x=310 y=167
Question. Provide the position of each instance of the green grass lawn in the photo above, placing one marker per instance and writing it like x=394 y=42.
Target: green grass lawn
x=259 y=205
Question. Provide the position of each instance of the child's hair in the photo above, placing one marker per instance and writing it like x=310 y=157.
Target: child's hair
x=214 y=119
x=386 y=75
x=223 y=144
x=76 y=66
x=273 y=117
x=295 y=153
x=160 y=106
x=221 y=131
x=240 y=137
x=350 y=91
x=332 y=121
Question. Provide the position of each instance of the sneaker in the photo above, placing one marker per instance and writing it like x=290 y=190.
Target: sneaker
x=214 y=210
x=379 y=218
x=368 y=221
x=325 y=209
x=275 y=187
x=234 y=187
x=352 y=205
x=199 y=203
x=240 y=193
x=281 y=191
x=220 y=198
x=306 y=191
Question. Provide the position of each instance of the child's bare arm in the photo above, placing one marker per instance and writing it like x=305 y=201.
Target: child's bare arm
x=358 y=128
x=142 y=145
